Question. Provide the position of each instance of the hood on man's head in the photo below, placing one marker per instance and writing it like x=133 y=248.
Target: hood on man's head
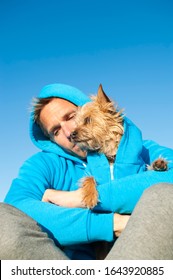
x=66 y=92
x=69 y=93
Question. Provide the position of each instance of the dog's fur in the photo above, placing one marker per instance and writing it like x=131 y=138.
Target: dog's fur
x=99 y=126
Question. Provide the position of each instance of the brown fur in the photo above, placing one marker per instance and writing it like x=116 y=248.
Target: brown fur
x=89 y=192
x=99 y=125
x=159 y=164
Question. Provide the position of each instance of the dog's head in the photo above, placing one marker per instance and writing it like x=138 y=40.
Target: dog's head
x=99 y=125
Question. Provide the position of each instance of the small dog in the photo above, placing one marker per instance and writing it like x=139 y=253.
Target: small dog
x=99 y=127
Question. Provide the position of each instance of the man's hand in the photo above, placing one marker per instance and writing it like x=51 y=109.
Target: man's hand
x=120 y=222
x=71 y=199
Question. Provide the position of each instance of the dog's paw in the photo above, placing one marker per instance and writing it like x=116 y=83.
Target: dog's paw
x=159 y=164
x=89 y=192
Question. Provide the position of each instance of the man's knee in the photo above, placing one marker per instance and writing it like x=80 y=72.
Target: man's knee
x=160 y=194
x=14 y=227
x=6 y=210
x=163 y=189
x=13 y=219
x=22 y=238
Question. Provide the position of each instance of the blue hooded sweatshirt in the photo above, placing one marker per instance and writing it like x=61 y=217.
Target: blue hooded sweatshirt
x=75 y=229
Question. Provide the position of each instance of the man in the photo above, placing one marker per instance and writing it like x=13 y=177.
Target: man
x=60 y=165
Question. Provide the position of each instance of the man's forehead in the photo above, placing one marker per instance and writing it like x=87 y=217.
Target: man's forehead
x=63 y=100
x=60 y=103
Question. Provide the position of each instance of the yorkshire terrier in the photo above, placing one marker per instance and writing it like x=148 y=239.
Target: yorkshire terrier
x=99 y=127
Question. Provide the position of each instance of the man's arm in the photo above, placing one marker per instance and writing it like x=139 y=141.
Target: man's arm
x=69 y=199
x=67 y=225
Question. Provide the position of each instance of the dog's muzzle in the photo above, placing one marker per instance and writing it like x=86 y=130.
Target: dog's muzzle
x=73 y=136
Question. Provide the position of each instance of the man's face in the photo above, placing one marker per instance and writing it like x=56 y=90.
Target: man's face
x=57 y=117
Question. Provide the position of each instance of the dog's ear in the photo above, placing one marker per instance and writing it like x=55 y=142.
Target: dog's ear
x=101 y=96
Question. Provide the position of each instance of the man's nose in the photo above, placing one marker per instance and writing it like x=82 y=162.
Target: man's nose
x=66 y=129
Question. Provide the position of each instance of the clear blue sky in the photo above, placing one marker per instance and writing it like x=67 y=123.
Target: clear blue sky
x=125 y=45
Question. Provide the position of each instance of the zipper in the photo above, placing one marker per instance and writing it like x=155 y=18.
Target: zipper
x=112 y=171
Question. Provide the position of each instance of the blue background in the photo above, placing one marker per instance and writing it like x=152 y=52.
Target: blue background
x=125 y=45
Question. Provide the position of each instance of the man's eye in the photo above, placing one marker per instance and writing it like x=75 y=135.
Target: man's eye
x=55 y=133
x=71 y=116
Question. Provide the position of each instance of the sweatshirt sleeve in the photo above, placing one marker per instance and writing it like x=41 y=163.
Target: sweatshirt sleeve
x=122 y=195
x=151 y=151
x=68 y=226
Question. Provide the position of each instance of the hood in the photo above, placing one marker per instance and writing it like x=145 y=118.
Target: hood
x=66 y=92
x=128 y=157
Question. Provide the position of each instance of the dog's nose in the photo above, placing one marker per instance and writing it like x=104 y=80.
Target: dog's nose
x=73 y=134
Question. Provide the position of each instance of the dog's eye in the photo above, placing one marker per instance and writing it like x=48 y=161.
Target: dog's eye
x=87 y=120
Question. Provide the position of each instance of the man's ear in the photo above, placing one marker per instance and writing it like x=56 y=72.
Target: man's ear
x=102 y=98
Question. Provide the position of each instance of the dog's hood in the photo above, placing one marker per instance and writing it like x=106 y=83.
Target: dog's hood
x=128 y=157
x=68 y=93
